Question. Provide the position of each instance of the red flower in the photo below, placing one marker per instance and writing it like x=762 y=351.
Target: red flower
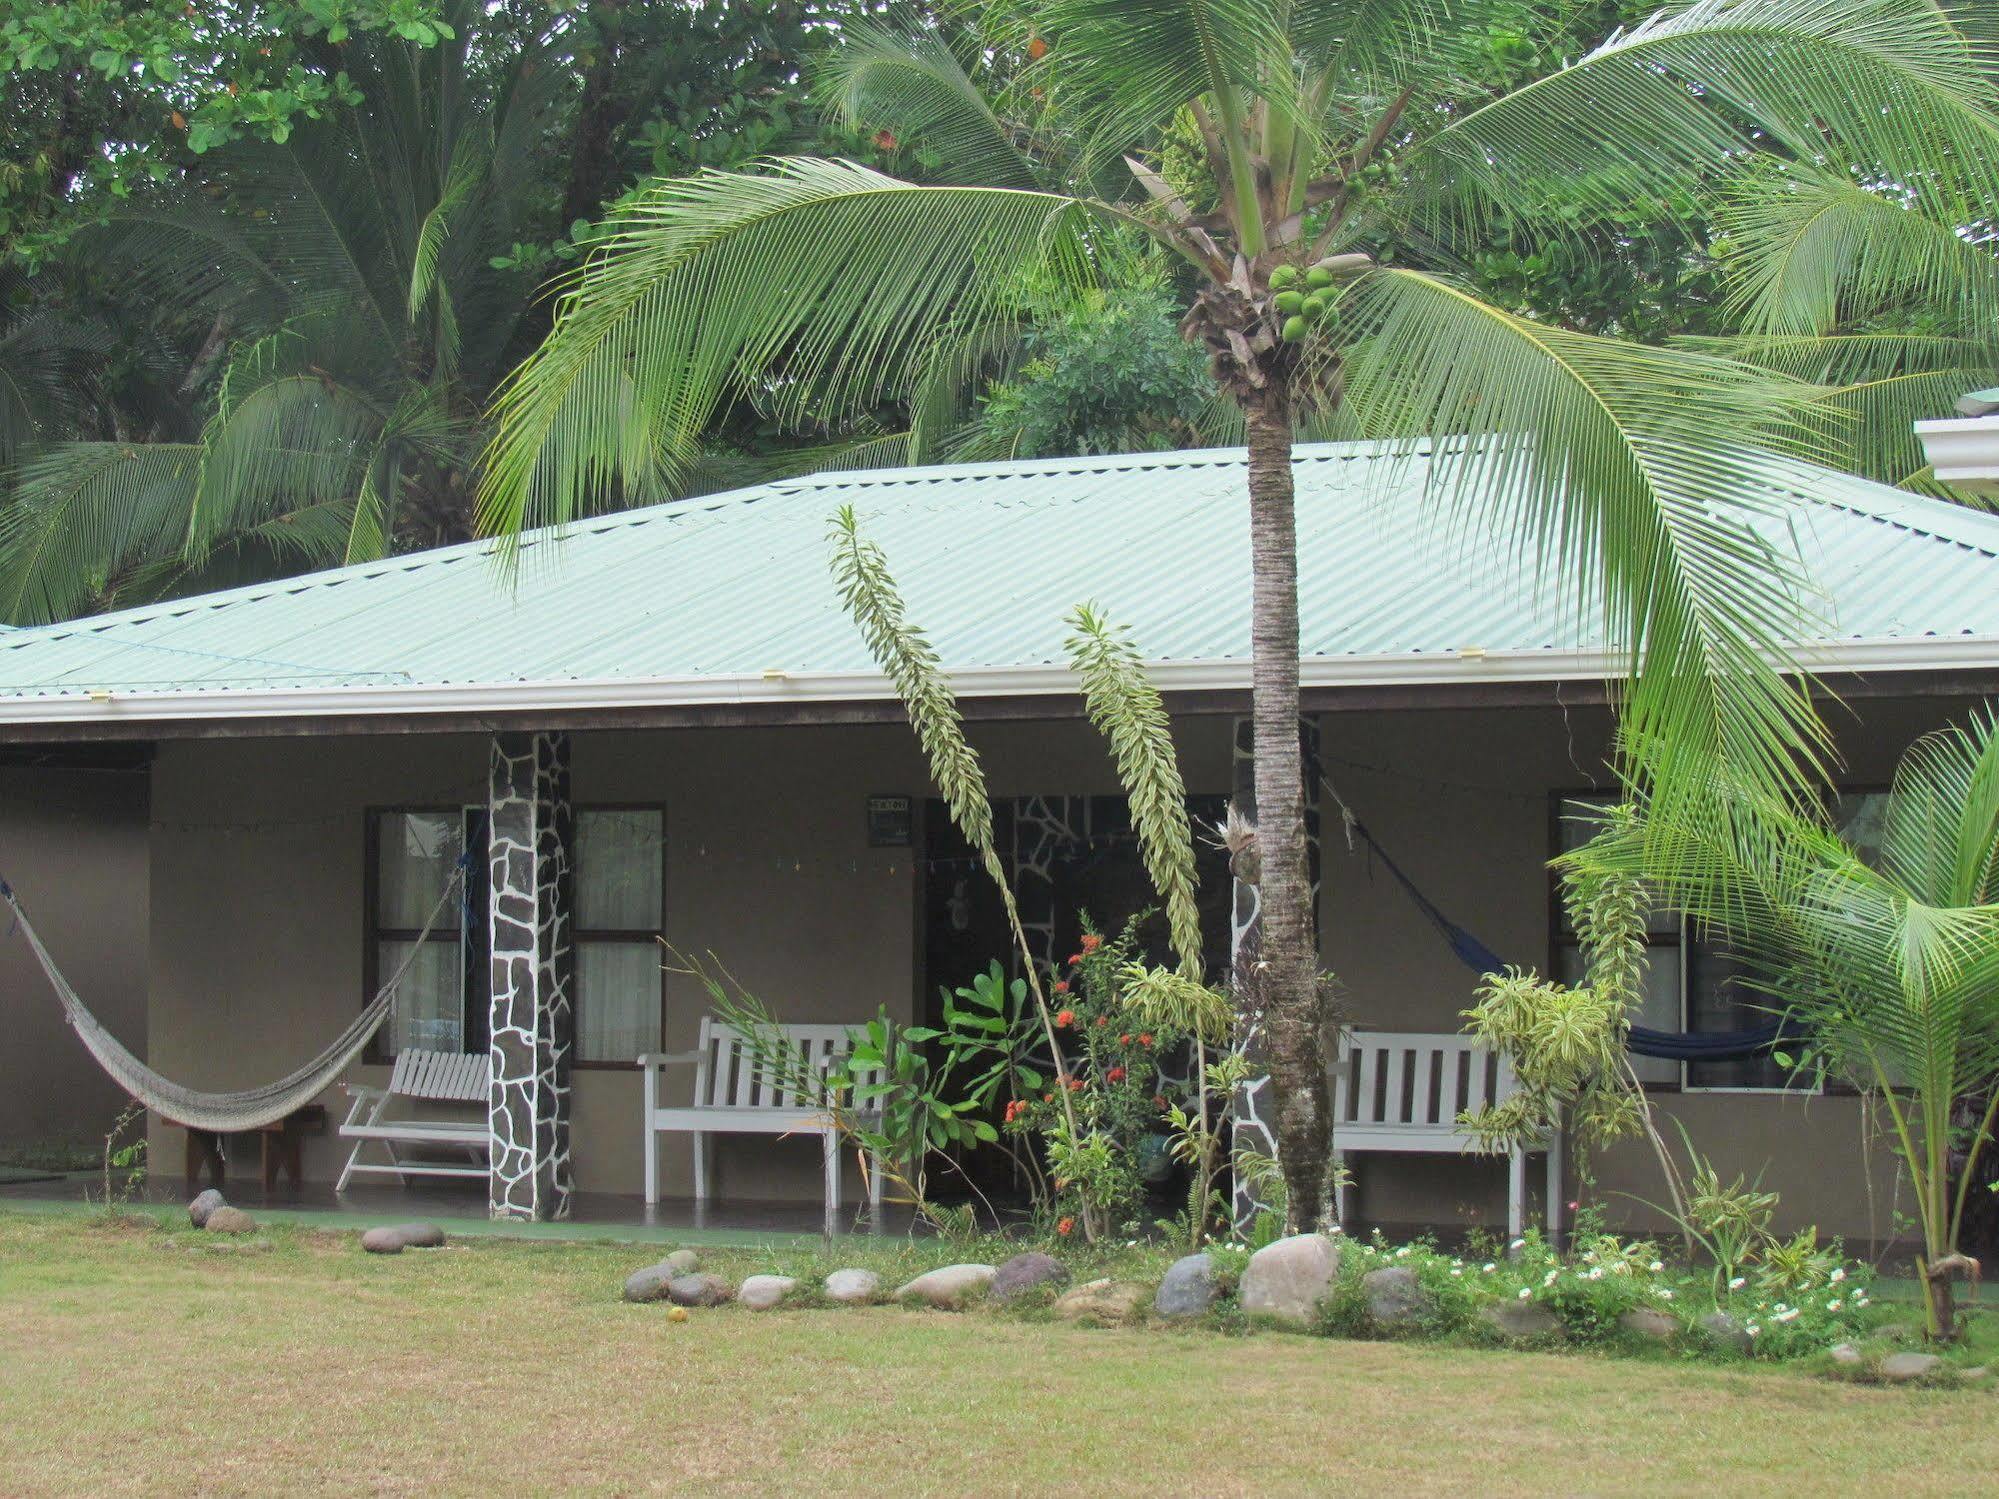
x=1075 y=958
x=1091 y=942
x=1103 y=1020
x=1061 y=986
x=1075 y=1085
x=1065 y=1019
x=1115 y=1075
x=1125 y=1039
x=1145 y=1038
x=885 y=140
x=1048 y=1098
x=1066 y=1227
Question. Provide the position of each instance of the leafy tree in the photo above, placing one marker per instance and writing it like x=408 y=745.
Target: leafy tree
x=1891 y=967
x=1268 y=146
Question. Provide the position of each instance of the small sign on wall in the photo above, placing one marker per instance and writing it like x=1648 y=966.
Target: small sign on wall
x=888 y=822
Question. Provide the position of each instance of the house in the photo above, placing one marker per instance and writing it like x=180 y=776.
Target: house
x=320 y=750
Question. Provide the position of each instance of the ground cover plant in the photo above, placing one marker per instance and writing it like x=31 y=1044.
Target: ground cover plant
x=134 y=1351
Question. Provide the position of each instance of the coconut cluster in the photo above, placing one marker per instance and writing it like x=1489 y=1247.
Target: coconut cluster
x=1303 y=299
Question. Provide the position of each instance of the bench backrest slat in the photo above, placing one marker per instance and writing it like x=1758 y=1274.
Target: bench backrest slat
x=727 y=1074
x=441 y=1076
x=1413 y=1078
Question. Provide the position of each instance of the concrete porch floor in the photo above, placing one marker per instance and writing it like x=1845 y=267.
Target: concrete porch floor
x=460 y=1208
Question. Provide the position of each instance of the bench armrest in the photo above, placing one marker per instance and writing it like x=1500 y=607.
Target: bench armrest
x=669 y=1058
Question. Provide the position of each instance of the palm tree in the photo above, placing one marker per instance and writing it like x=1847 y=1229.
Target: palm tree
x=1276 y=149
x=356 y=326
x=1890 y=965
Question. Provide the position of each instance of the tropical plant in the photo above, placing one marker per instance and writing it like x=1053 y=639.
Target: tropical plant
x=1890 y=967
x=1271 y=148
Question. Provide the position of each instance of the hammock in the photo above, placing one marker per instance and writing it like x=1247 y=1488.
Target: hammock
x=1640 y=1040
x=224 y=1113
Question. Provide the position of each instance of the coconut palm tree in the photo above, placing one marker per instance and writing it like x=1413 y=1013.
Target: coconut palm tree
x=1311 y=167
x=356 y=326
x=1888 y=963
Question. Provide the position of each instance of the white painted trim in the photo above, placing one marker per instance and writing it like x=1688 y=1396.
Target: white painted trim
x=1963 y=450
x=87 y=704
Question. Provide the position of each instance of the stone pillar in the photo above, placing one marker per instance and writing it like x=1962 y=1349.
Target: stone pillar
x=1252 y=1131
x=531 y=889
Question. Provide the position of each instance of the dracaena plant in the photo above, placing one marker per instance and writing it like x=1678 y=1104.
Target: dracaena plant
x=1333 y=152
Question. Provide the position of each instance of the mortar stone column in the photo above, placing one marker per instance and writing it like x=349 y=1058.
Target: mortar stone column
x=530 y=905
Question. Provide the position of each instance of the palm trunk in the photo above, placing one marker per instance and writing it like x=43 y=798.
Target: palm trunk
x=1287 y=978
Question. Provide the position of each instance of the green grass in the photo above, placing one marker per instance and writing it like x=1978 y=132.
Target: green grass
x=139 y=1358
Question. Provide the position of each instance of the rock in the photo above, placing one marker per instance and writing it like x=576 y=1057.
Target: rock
x=1521 y=1320
x=395 y=1238
x=1104 y=1303
x=205 y=1202
x=1903 y=1367
x=1650 y=1322
x=1895 y=1332
x=697 y=1290
x=1188 y=1290
x=1026 y=1272
x=949 y=1288
x=762 y=1292
x=1284 y=1281
x=228 y=1220
x=648 y=1284
x=852 y=1287
x=1396 y=1300
x=1847 y=1355
x=682 y=1262
x=1723 y=1331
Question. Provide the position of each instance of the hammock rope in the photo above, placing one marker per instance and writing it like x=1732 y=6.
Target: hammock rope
x=226 y=1113
x=1640 y=1040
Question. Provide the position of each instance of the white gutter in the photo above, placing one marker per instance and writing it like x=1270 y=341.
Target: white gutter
x=1963 y=451
x=1471 y=665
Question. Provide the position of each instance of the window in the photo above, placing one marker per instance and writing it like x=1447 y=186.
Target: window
x=620 y=890
x=619 y=895
x=1693 y=983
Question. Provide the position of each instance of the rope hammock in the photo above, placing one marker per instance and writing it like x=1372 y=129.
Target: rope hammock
x=1640 y=1040
x=225 y=1113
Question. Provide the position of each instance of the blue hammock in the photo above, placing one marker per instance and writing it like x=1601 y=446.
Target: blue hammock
x=1671 y=1046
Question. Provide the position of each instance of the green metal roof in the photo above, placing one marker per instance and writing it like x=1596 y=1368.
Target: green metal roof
x=729 y=598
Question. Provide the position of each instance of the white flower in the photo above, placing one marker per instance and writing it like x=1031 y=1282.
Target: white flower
x=1737 y=1283
x=1455 y=1270
x=1833 y=1305
x=1656 y=1266
x=1402 y=1253
x=1837 y=1276
x=1752 y=1329
x=1549 y=1278
x=1595 y=1273
x=1787 y=1314
x=1525 y=1293
x=1487 y=1268
x=1667 y=1293
x=1517 y=1244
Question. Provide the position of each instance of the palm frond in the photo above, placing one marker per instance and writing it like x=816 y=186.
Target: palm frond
x=81 y=511
x=822 y=280
x=1634 y=465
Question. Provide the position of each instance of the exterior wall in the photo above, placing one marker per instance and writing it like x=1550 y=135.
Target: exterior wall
x=257 y=930
x=73 y=842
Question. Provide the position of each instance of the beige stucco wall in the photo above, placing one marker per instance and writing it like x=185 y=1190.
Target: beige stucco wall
x=257 y=930
x=73 y=843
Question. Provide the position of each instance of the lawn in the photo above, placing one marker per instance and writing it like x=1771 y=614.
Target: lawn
x=135 y=1359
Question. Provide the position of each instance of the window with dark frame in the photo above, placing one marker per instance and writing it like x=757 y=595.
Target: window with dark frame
x=619 y=919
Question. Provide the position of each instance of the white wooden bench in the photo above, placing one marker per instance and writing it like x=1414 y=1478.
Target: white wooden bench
x=1396 y=1091
x=733 y=1095
x=425 y=1077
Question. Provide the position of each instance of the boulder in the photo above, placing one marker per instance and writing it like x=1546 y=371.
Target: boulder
x=682 y=1262
x=1102 y=1303
x=950 y=1288
x=228 y=1220
x=852 y=1287
x=697 y=1290
x=1904 y=1367
x=1521 y=1320
x=1396 y=1300
x=1650 y=1322
x=1285 y=1281
x=1723 y=1331
x=1846 y=1355
x=1027 y=1272
x=205 y=1202
x=762 y=1292
x=395 y=1238
x=648 y=1284
x=1188 y=1290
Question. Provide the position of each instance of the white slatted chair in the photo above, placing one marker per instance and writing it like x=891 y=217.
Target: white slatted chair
x=1403 y=1090
x=734 y=1096
x=425 y=1077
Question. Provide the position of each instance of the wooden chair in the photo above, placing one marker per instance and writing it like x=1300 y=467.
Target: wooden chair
x=733 y=1095
x=424 y=1077
x=1403 y=1091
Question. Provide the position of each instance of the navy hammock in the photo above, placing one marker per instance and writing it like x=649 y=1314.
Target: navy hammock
x=1641 y=1040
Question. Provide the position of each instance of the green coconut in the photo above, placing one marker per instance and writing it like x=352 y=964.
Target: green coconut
x=1315 y=307
x=1289 y=303
x=1283 y=276
x=1295 y=328
x=1318 y=279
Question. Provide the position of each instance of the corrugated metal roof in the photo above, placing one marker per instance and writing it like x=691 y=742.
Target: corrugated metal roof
x=990 y=557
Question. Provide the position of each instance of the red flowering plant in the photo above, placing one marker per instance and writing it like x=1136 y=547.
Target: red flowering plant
x=1112 y=1076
